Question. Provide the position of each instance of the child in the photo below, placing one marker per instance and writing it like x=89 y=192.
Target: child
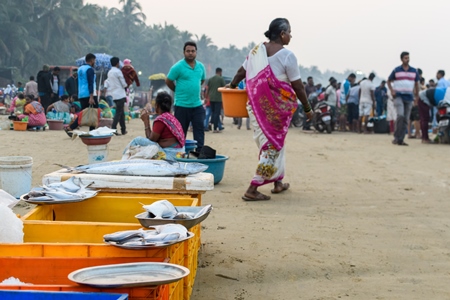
x=129 y=73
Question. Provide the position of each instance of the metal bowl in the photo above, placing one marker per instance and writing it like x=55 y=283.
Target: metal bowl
x=146 y=221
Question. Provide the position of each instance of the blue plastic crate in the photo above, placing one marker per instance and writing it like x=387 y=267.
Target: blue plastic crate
x=42 y=295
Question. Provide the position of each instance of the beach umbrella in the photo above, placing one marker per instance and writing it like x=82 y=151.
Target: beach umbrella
x=102 y=62
x=102 y=65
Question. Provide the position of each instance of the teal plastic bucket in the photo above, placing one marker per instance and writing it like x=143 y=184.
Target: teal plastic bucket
x=216 y=166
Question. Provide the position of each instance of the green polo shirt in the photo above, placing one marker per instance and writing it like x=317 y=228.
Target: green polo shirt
x=214 y=83
x=188 y=83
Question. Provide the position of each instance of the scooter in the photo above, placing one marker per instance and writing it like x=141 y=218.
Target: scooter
x=443 y=117
x=322 y=119
x=298 y=117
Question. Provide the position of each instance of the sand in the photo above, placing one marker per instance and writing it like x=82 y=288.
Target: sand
x=364 y=219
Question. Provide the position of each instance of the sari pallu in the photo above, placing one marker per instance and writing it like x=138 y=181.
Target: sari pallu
x=272 y=103
x=174 y=126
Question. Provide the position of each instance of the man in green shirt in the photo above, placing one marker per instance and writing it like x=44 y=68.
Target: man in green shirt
x=185 y=78
x=215 y=98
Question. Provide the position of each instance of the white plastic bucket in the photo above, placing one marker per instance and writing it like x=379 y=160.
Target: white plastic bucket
x=97 y=154
x=16 y=174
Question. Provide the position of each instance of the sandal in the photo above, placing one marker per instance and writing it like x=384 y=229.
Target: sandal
x=259 y=197
x=402 y=144
x=284 y=187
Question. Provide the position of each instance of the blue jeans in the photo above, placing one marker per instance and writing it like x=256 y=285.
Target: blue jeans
x=196 y=116
x=380 y=107
x=207 y=116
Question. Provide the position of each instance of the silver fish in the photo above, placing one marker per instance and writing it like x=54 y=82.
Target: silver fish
x=161 y=209
x=143 y=168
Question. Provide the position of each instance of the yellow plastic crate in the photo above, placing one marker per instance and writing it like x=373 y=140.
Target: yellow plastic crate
x=105 y=207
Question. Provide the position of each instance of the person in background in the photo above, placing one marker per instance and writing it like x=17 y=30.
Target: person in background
x=366 y=102
x=241 y=86
x=310 y=89
x=62 y=105
x=331 y=98
x=108 y=97
x=442 y=83
x=106 y=109
x=167 y=132
x=20 y=88
x=380 y=98
x=129 y=73
x=274 y=81
x=71 y=84
x=44 y=83
x=17 y=104
x=414 y=118
x=352 y=101
x=56 y=82
x=404 y=86
x=116 y=88
x=34 y=111
x=186 y=78
x=87 y=84
x=391 y=114
x=215 y=98
x=430 y=98
x=31 y=88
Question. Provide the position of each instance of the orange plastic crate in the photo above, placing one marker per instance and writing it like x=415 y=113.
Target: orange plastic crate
x=50 y=274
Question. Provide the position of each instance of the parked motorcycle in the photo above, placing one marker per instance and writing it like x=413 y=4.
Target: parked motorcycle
x=298 y=117
x=322 y=118
x=443 y=117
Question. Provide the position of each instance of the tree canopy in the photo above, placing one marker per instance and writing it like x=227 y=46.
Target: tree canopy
x=57 y=32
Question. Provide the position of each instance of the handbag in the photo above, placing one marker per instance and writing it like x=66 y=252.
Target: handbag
x=89 y=116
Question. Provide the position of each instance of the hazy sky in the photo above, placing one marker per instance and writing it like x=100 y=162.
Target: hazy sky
x=335 y=35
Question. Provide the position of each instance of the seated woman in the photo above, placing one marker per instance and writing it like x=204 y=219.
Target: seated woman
x=61 y=110
x=62 y=105
x=17 y=104
x=34 y=111
x=167 y=132
x=106 y=109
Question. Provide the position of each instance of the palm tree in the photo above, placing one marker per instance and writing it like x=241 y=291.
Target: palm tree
x=130 y=17
x=165 y=50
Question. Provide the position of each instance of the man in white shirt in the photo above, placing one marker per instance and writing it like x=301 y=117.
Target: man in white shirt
x=366 y=101
x=116 y=89
x=331 y=97
x=442 y=82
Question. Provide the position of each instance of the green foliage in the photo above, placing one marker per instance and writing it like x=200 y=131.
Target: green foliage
x=57 y=32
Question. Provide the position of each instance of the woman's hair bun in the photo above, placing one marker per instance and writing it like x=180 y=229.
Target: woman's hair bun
x=267 y=34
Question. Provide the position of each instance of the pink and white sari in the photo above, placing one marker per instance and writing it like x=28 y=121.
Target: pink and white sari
x=272 y=103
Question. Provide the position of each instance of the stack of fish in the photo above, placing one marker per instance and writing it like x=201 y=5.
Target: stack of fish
x=163 y=234
x=71 y=189
x=141 y=167
x=163 y=209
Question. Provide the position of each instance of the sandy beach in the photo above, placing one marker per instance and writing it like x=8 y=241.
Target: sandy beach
x=363 y=219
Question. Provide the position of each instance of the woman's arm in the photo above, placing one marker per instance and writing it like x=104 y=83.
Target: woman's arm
x=49 y=108
x=299 y=90
x=240 y=75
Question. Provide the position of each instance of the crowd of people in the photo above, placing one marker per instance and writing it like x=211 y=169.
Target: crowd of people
x=270 y=73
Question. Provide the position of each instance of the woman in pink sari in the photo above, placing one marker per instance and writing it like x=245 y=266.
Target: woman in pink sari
x=166 y=133
x=273 y=85
x=34 y=111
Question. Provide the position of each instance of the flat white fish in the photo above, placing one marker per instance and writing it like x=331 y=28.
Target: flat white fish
x=157 y=168
x=160 y=234
x=71 y=189
x=161 y=209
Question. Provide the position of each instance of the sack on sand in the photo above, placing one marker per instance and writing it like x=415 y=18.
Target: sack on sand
x=89 y=116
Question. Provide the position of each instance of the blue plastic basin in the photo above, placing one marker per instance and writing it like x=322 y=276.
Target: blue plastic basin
x=216 y=166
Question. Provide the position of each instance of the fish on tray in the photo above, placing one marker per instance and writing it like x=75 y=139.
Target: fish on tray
x=70 y=189
x=161 y=209
x=161 y=234
x=141 y=167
